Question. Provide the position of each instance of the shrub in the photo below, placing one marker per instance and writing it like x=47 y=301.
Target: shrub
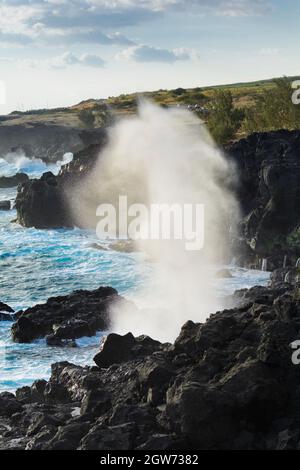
x=87 y=117
x=224 y=119
x=274 y=109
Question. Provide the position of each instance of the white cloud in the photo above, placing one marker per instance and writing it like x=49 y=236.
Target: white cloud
x=223 y=7
x=92 y=21
x=144 y=53
x=67 y=59
x=91 y=60
x=59 y=62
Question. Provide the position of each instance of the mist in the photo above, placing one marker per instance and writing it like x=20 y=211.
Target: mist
x=165 y=156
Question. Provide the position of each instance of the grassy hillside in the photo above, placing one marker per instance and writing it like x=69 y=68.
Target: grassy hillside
x=202 y=100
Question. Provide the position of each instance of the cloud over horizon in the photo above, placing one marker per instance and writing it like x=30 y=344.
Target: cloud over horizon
x=145 y=53
x=60 y=62
x=62 y=22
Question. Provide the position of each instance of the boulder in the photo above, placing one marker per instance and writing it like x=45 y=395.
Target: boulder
x=5 y=308
x=285 y=275
x=42 y=203
x=109 y=438
x=13 y=181
x=6 y=312
x=9 y=404
x=5 y=205
x=81 y=313
x=116 y=349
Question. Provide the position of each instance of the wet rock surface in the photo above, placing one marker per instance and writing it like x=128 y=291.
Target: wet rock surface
x=6 y=312
x=5 y=205
x=226 y=384
x=13 y=181
x=42 y=203
x=65 y=318
x=268 y=166
x=285 y=275
x=45 y=140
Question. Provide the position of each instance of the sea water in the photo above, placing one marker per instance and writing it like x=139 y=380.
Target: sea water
x=38 y=264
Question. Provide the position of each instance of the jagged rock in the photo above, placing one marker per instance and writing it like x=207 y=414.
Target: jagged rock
x=9 y=404
x=47 y=141
x=193 y=407
x=41 y=439
x=5 y=308
x=95 y=402
x=56 y=393
x=160 y=442
x=82 y=313
x=285 y=275
x=117 y=349
x=42 y=203
x=6 y=312
x=228 y=383
x=68 y=437
x=37 y=390
x=268 y=165
x=109 y=438
x=5 y=205
x=6 y=316
x=13 y=181
x=32 y=394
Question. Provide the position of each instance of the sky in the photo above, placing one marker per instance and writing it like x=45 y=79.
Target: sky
x=58 y=52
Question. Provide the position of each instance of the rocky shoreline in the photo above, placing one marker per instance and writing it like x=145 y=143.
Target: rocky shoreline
x=64 y=318
x=229 y=383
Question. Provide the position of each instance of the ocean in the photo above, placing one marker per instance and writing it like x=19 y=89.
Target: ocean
x=38 y=264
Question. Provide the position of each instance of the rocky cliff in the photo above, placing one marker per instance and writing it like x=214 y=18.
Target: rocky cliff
x=268 y=168
x=41 y=203
x=46 y=141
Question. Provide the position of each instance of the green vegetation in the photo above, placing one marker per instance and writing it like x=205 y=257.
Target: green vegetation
x=224 y=119
x=274 y=110
x=294 y=238
x=231 y=111
x=95 y=116
x=87 y=117
x=41 y=112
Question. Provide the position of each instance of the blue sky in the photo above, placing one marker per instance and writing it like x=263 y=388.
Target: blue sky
x=58 y=52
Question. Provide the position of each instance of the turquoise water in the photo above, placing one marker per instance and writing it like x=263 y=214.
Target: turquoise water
x=38 y=264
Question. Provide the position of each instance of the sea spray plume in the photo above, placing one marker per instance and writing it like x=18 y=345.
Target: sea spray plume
x=165 y=156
